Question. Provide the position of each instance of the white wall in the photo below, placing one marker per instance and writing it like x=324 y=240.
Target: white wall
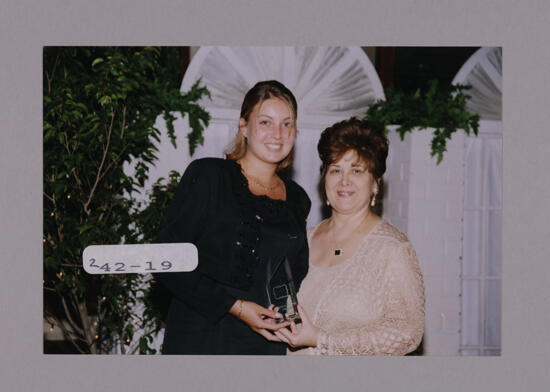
x=425 y=201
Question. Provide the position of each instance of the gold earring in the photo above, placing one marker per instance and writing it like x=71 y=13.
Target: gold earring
x=328 y=203
x=373 y=200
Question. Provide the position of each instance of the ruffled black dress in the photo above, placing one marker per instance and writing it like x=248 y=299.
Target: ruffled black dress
x=236 y=233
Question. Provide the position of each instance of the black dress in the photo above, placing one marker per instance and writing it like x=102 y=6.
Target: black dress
x=236 y=233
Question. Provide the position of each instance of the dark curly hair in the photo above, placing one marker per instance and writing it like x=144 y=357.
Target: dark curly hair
x=367 y=139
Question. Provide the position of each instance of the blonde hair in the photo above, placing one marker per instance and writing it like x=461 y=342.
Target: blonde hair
x=255 y=96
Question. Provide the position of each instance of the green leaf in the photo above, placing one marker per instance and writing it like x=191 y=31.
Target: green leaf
x=97 y=61
x=83 y=228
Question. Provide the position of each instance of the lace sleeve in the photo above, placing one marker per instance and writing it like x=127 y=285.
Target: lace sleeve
x=400 y=328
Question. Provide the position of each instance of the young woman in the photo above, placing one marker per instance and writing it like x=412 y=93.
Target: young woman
x=363 y=294
x=242 y=215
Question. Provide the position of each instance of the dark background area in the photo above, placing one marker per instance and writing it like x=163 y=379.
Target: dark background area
x=409 y=68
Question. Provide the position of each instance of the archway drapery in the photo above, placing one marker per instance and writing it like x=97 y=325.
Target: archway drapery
x=482 y=229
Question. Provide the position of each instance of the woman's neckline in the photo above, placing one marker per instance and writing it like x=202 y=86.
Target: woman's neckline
x=361 y=243
x=247 y=185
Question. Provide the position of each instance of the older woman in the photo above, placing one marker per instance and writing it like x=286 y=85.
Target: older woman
x=240 y=213
x=363 y=294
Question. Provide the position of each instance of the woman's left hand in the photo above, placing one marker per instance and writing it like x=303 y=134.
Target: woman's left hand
x=302 y=335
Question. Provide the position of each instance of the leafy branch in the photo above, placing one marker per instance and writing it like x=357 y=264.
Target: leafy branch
x=100 y=109
x=442 y=109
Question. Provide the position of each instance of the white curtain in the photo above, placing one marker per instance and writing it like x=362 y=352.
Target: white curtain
x=483 y=72
x=482 y=244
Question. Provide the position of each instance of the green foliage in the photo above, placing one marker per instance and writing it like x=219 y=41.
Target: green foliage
x=149 y=216
x=443 y=109
x=100 y=108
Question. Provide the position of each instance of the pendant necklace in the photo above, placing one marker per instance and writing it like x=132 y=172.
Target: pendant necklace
x=339 y=251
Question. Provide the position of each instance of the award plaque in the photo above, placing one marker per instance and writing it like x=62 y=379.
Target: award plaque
x=281 y=291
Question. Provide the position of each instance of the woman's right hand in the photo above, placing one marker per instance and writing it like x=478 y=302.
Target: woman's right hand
x=304 y=335
x=258 y=318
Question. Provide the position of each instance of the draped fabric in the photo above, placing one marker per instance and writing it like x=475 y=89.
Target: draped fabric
x=334 y=81
x=482 y=244
x=482 y=229
x=483 y=71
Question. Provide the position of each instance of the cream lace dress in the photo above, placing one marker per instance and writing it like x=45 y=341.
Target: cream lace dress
x=369 y=304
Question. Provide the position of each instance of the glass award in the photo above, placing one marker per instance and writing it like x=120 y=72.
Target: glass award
x=281 y=291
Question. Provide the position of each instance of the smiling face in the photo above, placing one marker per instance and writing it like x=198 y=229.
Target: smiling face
x=349 y=185
x=270 y=131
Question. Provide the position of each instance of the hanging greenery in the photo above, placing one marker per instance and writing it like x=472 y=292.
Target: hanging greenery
x=100 y=109
x=438 y=108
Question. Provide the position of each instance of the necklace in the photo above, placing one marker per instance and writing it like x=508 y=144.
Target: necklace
x=339 y=250
x=257 y=182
